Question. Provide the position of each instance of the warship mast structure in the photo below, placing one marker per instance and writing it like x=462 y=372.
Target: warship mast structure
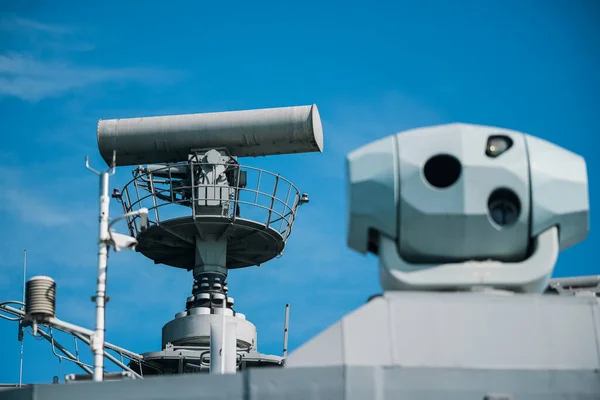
x=209 y=214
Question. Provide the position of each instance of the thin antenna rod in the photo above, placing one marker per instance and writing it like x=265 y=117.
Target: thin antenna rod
x=98 y=339
x=20 y=322
x=100 y=298
x=285 y=331
x=224 y=348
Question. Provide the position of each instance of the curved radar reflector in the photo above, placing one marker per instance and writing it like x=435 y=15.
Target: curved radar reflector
x=250 y=133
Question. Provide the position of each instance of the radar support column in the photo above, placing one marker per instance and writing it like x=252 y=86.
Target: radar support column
x=211 y=260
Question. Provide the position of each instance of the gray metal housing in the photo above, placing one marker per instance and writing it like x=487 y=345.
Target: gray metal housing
x=490 y=330
x=169 y=139
x=388 y=194
x=457 y=206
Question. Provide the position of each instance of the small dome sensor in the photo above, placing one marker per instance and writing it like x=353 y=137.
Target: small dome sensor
x=442 y=171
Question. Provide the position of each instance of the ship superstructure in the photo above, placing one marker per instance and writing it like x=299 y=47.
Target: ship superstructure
x=467 y=222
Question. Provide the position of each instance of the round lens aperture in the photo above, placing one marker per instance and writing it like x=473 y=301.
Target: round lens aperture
x=504 y=207
x=442 y=170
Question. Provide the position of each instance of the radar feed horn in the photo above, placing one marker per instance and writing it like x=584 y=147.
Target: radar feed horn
x=458 y=206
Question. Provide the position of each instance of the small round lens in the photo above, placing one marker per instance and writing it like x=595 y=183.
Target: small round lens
x=496 y=145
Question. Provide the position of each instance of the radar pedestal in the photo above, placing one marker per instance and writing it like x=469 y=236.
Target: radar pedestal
x=240 y=217
x=208 y=214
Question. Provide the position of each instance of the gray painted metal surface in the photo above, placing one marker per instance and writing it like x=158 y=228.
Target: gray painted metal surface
x=196 y=329
x=462 y=330
x=335 y=383
x=168 y=139
x=388 y=192
x=579 y=285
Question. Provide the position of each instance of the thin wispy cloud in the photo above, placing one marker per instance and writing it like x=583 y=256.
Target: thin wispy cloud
x=31 y=209
x=24 y=25
x=41 y=68
x=32 y=79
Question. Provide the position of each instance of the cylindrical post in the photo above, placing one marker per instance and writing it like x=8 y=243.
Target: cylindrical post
x=285 y=330
x=230 y=347
x=216 y=347
x=152 y=190
x=98 y=339
x=223 y=346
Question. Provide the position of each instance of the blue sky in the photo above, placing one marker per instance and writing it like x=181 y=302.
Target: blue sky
x=373 y=69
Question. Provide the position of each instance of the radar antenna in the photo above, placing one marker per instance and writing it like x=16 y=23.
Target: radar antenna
x=209 y=214
x=192 y=206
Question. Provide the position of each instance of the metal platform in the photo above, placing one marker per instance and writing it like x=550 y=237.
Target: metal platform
x=255 y=213
x=248 y=242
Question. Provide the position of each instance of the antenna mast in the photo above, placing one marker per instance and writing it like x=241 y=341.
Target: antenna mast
x=100 y=298
x=21 y=322
x=106 y=238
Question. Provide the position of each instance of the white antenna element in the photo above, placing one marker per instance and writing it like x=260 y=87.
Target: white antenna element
x=106 y=238
x=21 y=322
x=224 y=328
x=286 y=326
x=100 y=298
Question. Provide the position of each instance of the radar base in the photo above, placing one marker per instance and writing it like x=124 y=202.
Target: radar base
x=173 y=242
x=180 y=360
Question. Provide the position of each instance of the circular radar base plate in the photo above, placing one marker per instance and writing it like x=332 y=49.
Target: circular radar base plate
x=172 y=242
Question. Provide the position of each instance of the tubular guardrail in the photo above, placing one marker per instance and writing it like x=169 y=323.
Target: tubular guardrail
x=268 y=198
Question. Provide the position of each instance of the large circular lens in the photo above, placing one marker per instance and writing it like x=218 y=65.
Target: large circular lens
x=442 y=171
x=504 y=207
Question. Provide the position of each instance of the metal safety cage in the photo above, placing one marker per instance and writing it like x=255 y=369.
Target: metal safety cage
x=172 y=191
